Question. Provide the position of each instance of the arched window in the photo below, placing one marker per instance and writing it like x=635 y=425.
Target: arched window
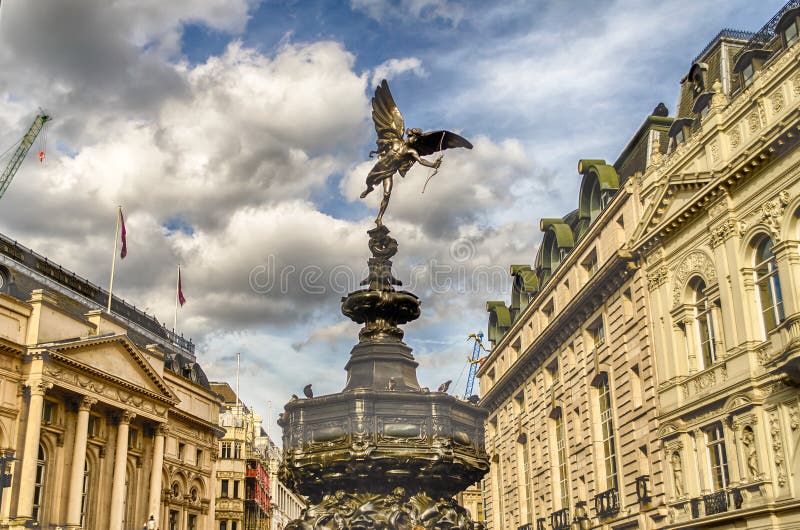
x=768 y=285
x=38 y=484
x=84 y=493
x=607 y=432
x=704 y=320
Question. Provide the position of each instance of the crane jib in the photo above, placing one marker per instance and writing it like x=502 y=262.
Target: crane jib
x=22 y=149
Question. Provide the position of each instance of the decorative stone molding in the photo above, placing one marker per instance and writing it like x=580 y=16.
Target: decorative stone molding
x=777 y=447
x=714 y=149
x=87 y=403
x=656 y=278
x=704 y=381
x=162 y=429
x=794 y=416
x=696 y=261
x=753 y=122
x=718 y=208
x=771 y=214
x=735 y=138
x=722 y=232
x=38 y=388
x=126 y=417
x=777 y=101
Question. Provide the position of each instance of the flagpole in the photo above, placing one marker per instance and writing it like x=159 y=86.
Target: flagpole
x=177 y=297
x=113 y=260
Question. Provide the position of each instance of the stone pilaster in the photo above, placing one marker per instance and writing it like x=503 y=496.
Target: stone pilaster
x=31 y=452
x=120 y=464
x=154 y=503
x=78 y=462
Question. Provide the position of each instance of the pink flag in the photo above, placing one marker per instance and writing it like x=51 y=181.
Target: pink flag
x=181 y=298
x=124 y=251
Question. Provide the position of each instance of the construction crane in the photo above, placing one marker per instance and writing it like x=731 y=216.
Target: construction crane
x=21 y=150
x=475 y=360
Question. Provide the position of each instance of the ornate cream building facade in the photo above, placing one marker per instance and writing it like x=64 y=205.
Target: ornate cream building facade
x=645 y=372
x=106 y=419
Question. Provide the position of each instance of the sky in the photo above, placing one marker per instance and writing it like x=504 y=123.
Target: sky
x=236 y=133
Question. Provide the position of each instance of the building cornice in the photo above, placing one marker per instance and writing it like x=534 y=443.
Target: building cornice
x=569 y=262
x=609 y=278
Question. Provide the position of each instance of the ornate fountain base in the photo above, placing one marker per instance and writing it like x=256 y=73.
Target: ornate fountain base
x=392 y=511
x=383 y=454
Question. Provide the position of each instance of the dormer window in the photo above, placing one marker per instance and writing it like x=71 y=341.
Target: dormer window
x=790 y=34
x=679 y=138
x=679 y=131
x=747 y=74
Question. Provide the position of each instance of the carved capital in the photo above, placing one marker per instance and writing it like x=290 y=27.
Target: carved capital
x=126 y=417
x=38 y=388
x=657 y=277
x=162 y=429
x=87 y=403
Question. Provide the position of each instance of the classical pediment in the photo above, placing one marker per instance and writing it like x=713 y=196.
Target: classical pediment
x=115 y=359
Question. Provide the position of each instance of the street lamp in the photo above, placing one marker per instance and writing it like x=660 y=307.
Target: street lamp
x=6 y=457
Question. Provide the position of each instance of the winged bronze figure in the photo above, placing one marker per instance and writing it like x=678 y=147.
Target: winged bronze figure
x=397 y=154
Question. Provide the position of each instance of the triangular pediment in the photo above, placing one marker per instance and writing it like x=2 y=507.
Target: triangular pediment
x=670 y=198
x=115 y=358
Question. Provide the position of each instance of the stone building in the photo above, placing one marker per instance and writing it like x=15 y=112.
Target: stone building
x=105 y=418
x=644 y=374
x=285 y=504
x=719 y=240
x=243 y=491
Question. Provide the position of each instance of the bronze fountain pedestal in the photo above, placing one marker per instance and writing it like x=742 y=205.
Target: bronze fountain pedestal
x=383 y=453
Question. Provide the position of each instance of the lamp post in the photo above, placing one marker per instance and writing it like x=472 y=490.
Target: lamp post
x=6 y=457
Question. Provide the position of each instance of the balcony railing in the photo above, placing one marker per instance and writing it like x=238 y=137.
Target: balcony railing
x=606 y=503
x=718 y=502
x=643 y=489
x=560 y=520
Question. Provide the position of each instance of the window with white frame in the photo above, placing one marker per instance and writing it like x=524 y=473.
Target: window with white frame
x=717 y=457
x=561 y=455
x=704 y=320
x=607 y=432
x=84 y=493
x=768 y=285
x=38 y=484
x=226 y=450
x=747 y=74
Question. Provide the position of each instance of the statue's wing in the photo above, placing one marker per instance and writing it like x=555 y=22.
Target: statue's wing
x=431 y=142
x=388 y=121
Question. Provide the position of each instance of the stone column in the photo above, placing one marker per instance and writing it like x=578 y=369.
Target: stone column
x=154 y=504
x=78 y=463
x=120 y=465
x=30 y=455
x=212 y=491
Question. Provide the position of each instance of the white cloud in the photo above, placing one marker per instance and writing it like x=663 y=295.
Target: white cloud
x=393 y=67
x=429 y=10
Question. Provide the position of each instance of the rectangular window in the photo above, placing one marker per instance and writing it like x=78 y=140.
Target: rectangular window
x=94 y=426
x=181 y=451
x=223 y=525
x=561 y=452
x=519 y=402
x=590 y=264
x=747 y=74
x=49 y=412
x=133 y=438
x=717 y=458
x=198 y=460
x=233 y=525
x=790 y=34
x=679 y=137
x=235 y=489
x=224 y=489
x=597 y=333
x=552 y=371
x=173 y=520
x=526 y=474
x=38 y=486
x=607 y=433
x=192 y=522
x=237 y=451
x=226 y=450
x=627 y=303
